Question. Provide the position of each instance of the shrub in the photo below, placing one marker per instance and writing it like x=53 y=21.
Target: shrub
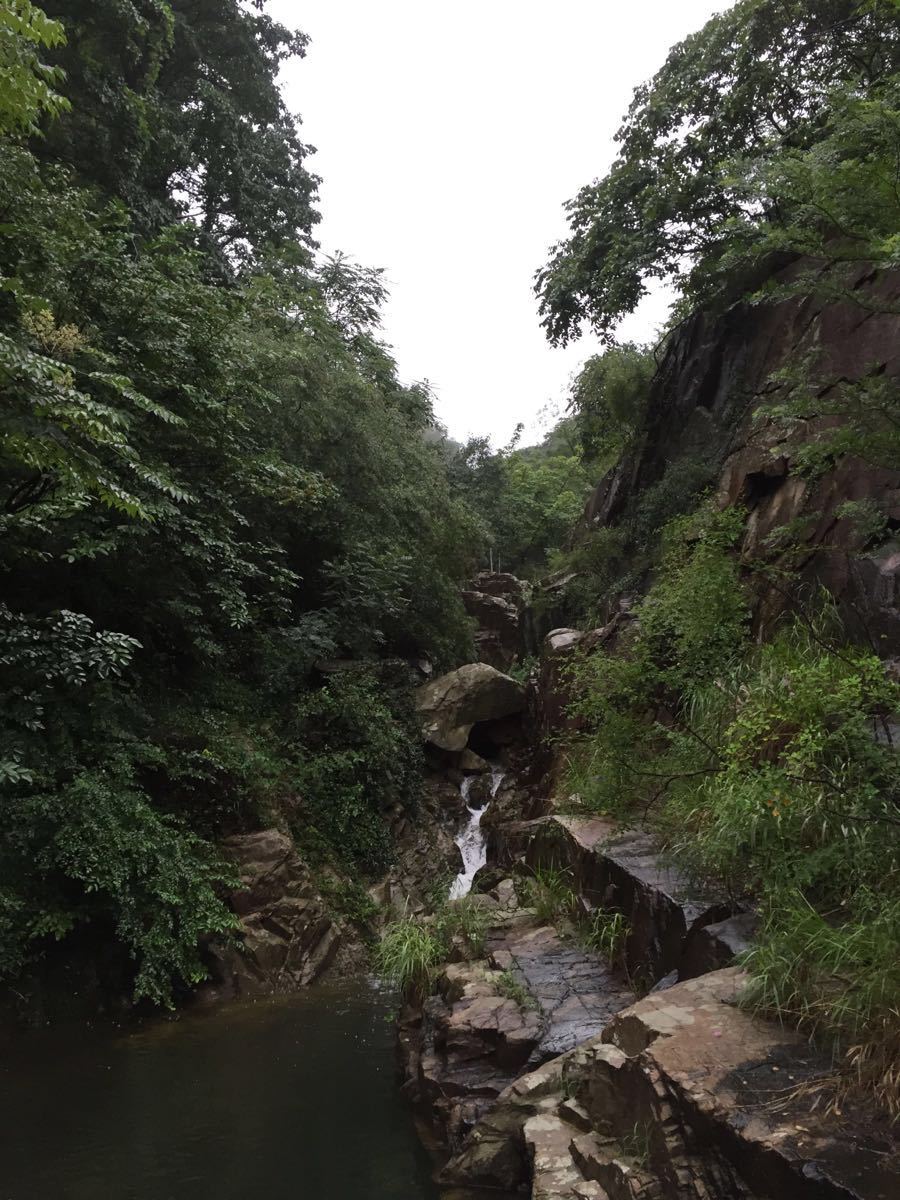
x=359 y=752
x=407 y=955
x=766 y=769
x=549 y=892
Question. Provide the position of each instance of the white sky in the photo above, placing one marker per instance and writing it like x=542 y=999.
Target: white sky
x=448 y=137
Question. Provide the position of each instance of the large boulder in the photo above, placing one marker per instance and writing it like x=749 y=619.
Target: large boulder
x=450 y=705
x=286 y=938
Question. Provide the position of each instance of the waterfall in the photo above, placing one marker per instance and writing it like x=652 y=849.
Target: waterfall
x=470 y=840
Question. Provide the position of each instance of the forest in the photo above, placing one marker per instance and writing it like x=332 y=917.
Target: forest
x=212 y=480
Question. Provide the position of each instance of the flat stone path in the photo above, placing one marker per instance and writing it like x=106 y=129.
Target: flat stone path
x=576 y=990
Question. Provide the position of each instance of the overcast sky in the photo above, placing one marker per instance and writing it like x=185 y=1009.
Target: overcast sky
x=448 y=137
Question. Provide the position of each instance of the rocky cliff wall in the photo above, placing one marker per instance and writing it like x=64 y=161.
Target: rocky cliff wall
x=704 y=408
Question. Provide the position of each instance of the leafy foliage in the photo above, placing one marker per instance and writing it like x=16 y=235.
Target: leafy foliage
x=213 y=487
x=527 y=499
x=609 y=399
x=741 y=111
x=28 y=86
x=767 y=768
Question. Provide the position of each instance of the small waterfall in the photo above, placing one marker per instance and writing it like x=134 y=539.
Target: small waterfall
x=471 y=842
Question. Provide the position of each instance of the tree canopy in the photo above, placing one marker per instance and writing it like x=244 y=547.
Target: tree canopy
x=713 y=150
x=211 y=482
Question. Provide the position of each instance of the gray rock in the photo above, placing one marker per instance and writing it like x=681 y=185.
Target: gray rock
x=450 y=705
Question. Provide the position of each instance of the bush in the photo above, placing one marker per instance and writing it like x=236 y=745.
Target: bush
x=96 y=848
x=766 y=769
x=359 y=752
x=407 y=955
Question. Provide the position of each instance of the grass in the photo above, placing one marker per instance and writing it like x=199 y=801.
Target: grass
x=411 y=949
x=467 y=920
x=408 y=955
x=636 y=1145
x=549 y=892
x=607 y=933
x=510 y=987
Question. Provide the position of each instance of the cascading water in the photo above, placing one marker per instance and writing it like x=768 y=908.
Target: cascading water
x=471 y=841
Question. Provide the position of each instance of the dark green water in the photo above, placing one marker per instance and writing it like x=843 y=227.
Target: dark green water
x=288 y=1099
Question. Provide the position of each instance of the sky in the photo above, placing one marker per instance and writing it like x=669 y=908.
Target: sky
x=448 y=138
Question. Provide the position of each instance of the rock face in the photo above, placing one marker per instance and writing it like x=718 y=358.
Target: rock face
x=622 y=870
x=472 y=1038
x=496 y=599
x=450 y=705
x=684 y=1096
x=497 y=635
x=701 y=410
x=286 y=939
x=426 y=855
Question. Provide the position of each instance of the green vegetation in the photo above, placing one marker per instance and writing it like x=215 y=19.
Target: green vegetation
x=510 y=987
x=760 y=767
x=225 y=528
x=411 y=948
x=755 y=137
x=466 y=920
x=548 y=890
x=609 y=400
x=607 y=933
x=527 y=499
x=759 y=164
x=407 y=955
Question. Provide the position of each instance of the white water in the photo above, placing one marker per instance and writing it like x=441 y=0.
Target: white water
x=471 y=840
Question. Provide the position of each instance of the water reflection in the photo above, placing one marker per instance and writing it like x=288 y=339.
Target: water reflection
x=294 y=1097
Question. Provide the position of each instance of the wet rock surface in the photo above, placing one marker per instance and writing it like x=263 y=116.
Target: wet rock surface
x=286 y=938
x=684 y=1096
x=623 y=871
x=575 y=991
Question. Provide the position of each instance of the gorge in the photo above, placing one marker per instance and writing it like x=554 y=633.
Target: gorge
x=334 y=861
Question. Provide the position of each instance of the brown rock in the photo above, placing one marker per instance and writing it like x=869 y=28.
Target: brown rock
x=286 y=939
x=450 y=705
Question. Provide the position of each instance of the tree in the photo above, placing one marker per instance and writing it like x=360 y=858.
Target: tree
x=609 y=399
x=753 y=84
x=211 y=479
x=176 y=110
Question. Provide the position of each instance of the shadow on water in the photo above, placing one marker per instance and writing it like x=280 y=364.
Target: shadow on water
x=293 y=1097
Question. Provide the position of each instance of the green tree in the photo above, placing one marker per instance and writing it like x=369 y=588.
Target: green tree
x=755 y=83
x=176 y=110
x=28 y=85
x=211 y=480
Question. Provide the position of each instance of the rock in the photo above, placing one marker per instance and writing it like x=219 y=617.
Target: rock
x=684 y=1096
x=497 y=634
x=499 y=583
x=487 y=878
x=701 y=1073
x=494 y=1154
x=623 y=870
x=558 y=650
x=286 y=938
x=450 y=705
x=710 y=947
x=472 y=763
x=697 y=411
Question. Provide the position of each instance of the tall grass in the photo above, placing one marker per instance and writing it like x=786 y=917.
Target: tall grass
x=549 y=892
x=408 y=955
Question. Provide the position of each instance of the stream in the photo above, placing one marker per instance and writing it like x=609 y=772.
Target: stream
x=292 y=1098
x=471 y=841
